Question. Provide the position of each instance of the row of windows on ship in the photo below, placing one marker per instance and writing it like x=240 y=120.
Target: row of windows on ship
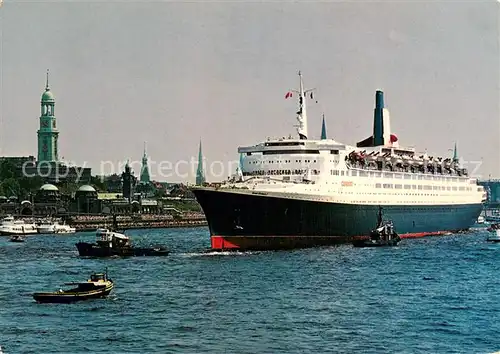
x=353 y=173
x=298 y=172
x=280 y=161
x=424 y=187
x=422 y=164
x=427 y=177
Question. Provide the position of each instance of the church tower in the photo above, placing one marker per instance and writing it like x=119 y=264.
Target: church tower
x=145 y=178
x=48 y=133
x=200 y=175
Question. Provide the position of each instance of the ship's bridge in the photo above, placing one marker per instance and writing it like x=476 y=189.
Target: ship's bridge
x=292 y=146
x=290 y=158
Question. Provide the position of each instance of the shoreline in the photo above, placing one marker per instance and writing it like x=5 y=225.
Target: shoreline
x=88 y=227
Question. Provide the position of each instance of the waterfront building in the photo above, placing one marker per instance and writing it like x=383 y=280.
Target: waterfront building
x=86 y=200
x=492 y=187
x=128 y=183
x=48 y=193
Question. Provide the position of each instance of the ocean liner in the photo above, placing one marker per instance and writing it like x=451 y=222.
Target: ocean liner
x=296 y=192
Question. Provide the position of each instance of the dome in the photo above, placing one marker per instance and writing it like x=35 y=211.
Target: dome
x=86 y=188
x=48 y=187
x=48 y=96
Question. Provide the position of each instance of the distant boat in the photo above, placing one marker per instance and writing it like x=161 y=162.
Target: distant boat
x=50 y=227
x=10 y=226
x=494 y=233
x=96 y=287
x=16 y=238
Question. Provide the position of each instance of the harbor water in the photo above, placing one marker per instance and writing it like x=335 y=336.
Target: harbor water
x=429 y=295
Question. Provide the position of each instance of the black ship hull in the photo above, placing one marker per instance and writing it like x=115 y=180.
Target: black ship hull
x=245 y=220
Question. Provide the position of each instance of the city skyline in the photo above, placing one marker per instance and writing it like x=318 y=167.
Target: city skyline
x=169 y=73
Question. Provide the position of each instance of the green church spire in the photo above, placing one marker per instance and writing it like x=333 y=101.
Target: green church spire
x=200 y=175
x=48 y=134
x=455 y=153
x=145 y=178
x=323 y=129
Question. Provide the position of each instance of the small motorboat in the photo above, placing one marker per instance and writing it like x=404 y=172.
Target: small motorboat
x=382 y=236
x=98 y=286
x=17 y=238
x=494 y=233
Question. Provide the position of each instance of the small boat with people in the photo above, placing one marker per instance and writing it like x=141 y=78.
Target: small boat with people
x=111 y=243
x=383 y=235
x=16 y=238
x=493 y=233
x=97 y=286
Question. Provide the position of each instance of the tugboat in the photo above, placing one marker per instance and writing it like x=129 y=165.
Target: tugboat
x=382 y=236
x=494 y=233
x=112 y=243
x=16 y=238
x=99 y=285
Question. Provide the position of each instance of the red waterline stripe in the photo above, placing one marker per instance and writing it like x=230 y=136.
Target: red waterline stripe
x=424 y=234
x=218 y=242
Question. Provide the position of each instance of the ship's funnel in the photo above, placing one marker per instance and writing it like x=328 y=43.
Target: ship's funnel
x=378 y=119
x=381 y=124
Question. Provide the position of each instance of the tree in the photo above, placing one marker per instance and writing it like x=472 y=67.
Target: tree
x=7 y=170
x=30 y=184
x=10 y=187
x=98 y=182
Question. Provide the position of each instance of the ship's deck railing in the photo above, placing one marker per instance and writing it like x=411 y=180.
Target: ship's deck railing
x=400 y=165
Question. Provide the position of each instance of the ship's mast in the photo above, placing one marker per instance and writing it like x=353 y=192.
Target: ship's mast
x=302 y=112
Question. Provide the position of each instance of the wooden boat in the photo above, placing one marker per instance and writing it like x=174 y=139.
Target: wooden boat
x=98 y=286
x=16 y=238
x=382 y=236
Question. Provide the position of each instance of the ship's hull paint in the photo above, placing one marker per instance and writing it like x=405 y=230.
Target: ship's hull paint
x=257 y=222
